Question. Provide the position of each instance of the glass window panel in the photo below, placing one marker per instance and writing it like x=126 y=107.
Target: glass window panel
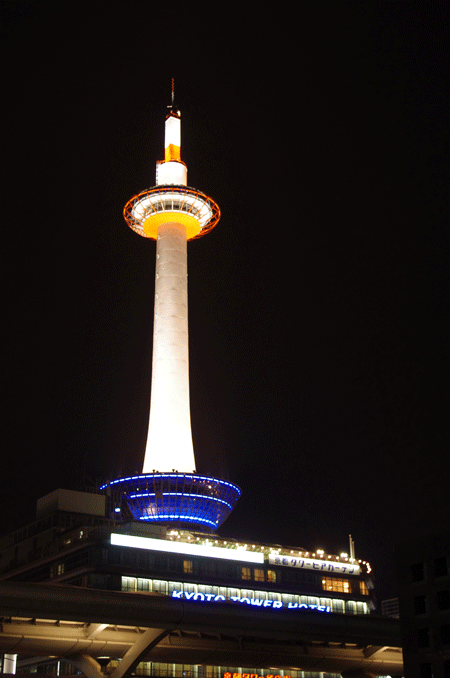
x=160 y=586
x=246 y=573
x=233 y=592
x=423 y=637
x=337 y=606
x=335 y=584
x=420 y=604
x=445 y=634
x=363 y=588
x=417 y=572
x=174 y=586
x=143 y=584
x=350 y=607
x=258 y=574
x=443 y=600
x=440 y=567
x=128 y=584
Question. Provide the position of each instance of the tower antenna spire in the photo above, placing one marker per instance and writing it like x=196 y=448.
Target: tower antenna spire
x=171 y=106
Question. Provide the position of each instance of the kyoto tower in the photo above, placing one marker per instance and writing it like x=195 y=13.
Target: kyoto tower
x=169 y=491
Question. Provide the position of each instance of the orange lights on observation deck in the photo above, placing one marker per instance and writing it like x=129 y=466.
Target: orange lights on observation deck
x=169 y=203
x=171 y=200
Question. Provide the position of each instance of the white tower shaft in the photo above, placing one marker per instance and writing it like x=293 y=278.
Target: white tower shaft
x=169 y=441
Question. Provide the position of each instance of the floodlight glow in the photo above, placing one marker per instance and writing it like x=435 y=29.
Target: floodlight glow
x=185 y=549
x=169 y=440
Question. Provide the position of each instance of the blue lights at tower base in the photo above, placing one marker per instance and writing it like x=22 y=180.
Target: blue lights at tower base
x=177 y=499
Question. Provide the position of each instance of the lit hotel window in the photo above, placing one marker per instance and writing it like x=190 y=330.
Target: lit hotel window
x=363 y=588
x=187 y=566
x=246 y=573
x=271 y=575
x=339 y=585
x=259 y=574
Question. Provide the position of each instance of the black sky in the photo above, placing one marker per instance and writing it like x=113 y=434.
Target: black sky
x=318 y=306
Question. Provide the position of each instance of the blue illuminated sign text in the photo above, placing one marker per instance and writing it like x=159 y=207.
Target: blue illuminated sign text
x=257 y=602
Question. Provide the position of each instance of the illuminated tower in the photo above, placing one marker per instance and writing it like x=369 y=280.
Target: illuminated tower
x=169 y=490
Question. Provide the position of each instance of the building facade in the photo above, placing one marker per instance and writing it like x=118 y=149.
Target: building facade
x=424 y=597
x=74 y=542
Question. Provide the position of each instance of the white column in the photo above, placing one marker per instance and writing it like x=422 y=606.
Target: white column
x=169 y=442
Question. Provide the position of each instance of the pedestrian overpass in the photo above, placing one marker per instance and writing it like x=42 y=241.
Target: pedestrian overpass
x=83 y=626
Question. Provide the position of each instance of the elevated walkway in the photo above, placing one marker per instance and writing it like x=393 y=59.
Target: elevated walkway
x=82 y=625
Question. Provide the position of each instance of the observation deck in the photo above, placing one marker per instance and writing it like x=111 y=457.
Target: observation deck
x=177 y=499
x=163 y=204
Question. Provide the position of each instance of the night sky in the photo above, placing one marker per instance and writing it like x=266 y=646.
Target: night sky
x=317 y=306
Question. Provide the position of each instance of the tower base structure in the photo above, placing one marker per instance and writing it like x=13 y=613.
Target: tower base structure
x=184 y=500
